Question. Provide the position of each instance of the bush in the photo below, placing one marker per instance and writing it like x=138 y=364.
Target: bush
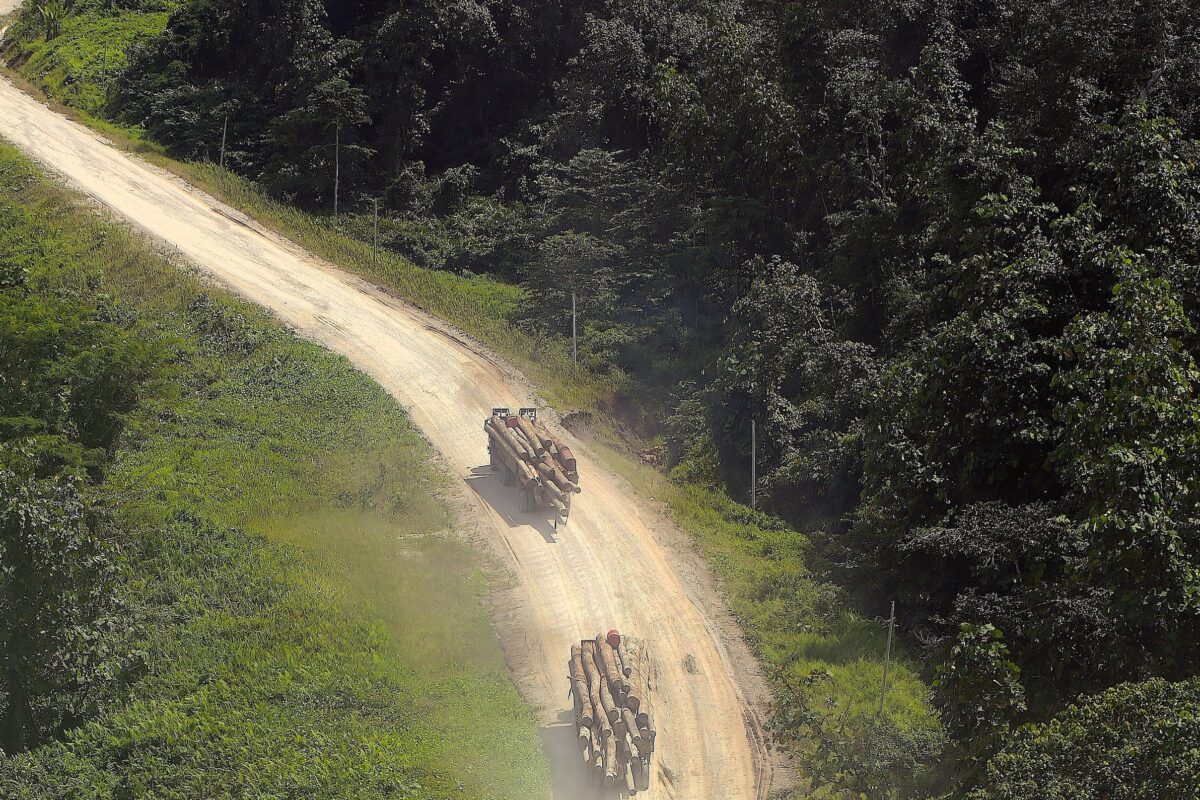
x=1136 y=741
x=65 y=632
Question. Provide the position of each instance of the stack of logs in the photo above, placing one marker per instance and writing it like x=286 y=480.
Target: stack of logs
x=544 y=466
x=610 y=682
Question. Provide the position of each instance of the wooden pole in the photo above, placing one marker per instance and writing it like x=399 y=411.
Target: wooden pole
x=887 y=655
x=375 y=240
x=753 y=466
x=337 y=167
x=574 y=337
x=224 y=134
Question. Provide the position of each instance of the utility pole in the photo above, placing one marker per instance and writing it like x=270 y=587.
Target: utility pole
x=753 y=466
x=104 y=70
x=375 y=240
x=574 y=337
x=887 y=655
x=337 y=167
x=224 y=134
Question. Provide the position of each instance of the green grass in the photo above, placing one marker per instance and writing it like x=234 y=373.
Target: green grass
x=311 y=628
x=796 y=622
x=78 y=66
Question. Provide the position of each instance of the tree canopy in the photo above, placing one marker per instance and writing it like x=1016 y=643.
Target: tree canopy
x=945 y=253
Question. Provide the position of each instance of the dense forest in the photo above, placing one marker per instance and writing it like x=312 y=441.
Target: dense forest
x=945 y=254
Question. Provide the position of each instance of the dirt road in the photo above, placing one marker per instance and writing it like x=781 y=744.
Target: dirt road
x=637 y=578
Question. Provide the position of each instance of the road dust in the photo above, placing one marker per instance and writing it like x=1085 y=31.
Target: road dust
x=618 y=564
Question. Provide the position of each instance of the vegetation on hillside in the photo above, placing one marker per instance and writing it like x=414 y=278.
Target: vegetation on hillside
x=944 y=253
x=223 y=567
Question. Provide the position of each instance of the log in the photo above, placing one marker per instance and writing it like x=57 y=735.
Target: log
x=527 y=474
x=500 y=444
x=594 y=681
x=608 y=662
x=577 y=697
x=565 y=458
x=610 y=708
x=551 y=472
x=647 y=737
x=633 y=697
x=623 y=754
x=605 y=728
x=624 y=655
x=638 y=685
x=645 y=714
x=641 y=774
x=579 y=686
x=543 y=435
x=527 y=428
x=597 y=754
x=645 y=722
x=514 y=441
x=559 y=475
x=554 y=491
x=525 y=441
x=631 y=728
x=585 y=743
x=610 y=761
x=620 y=659
x=512 y=455
x=630 y=780
x=586 y=649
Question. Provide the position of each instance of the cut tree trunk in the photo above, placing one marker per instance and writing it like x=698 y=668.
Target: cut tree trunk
x=609 y=659
x=536 y=441
x=610 y=708
x=610 y=761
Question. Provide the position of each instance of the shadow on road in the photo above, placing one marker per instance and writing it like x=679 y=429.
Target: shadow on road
x=506 y=501
x=569 y=777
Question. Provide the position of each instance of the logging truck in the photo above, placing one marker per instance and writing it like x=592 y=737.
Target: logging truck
x=611 y=684
x=524 y=452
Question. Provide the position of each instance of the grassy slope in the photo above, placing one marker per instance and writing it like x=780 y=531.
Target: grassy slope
x=308 y=629
x=76 y=67
x=797 y=622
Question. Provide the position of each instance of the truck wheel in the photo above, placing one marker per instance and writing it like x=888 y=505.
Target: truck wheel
x=510 y=477
x=491 y=458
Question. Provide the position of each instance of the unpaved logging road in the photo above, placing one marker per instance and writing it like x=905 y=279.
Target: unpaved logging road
x=617 y=564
